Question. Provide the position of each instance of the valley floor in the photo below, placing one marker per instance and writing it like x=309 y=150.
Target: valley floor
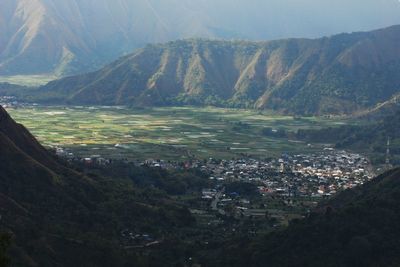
x=171 y=133
x=28 y=80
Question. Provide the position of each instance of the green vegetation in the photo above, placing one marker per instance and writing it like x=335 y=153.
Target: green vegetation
x=166 y=133
x=370 y=139
x=28 y=80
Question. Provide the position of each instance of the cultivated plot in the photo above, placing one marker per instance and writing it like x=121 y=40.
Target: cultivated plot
x=166 y=133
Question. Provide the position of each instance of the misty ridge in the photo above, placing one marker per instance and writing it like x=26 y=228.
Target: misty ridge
x=67 y=37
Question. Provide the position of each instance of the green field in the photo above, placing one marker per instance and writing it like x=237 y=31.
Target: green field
x=164 y=133
x=28 y=80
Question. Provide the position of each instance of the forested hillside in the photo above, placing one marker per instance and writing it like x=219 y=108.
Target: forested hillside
x=57 y=216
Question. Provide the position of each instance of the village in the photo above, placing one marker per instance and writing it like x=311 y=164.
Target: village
x=307 y=175
x=270 y=190
x=315 y=175
x=285 y=189
x=312 y=175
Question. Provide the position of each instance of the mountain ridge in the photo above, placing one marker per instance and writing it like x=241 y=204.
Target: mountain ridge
x=339 y=74
x=69 y=37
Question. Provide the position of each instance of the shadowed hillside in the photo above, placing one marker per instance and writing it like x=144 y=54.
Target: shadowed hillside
x=59 y=217
x=358 y=227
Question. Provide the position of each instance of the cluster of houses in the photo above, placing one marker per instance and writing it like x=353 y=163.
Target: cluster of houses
x=12 y=102
x=307 y=175
x=288 y=186
x=90 y=160
x=133 y=240
x=314 y=175
x=8 y=101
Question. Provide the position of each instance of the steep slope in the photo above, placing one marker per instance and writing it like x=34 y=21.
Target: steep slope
x=21 y=138
x=69 y=36
x=339 y=74
x=358 y=227
x=59 y=217
x=35 y=40
x=382 y=110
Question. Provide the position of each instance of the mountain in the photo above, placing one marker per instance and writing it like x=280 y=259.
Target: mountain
x=340 y=74
x=41 y=36
x=70 y=36
x=358 y=227
x=60 y=217
x=382 y=110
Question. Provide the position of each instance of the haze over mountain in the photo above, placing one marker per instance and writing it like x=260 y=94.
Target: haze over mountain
x=71 y=36
x=340 y=74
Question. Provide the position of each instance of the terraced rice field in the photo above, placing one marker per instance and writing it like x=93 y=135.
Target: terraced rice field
x=167 y=133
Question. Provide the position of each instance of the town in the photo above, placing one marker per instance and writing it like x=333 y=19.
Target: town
x=283 y=189
x=277 y=190
x=13 y=102
x=316 y=175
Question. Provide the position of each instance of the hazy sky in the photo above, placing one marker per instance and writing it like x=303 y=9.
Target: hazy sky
x=268 y=19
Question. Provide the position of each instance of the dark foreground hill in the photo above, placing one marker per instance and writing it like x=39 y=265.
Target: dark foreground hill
x=59 y=217
x=359 y=227
x=339 y=74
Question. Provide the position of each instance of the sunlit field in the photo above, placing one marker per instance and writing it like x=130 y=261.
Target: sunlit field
x=28 y=80
x=165 y=133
